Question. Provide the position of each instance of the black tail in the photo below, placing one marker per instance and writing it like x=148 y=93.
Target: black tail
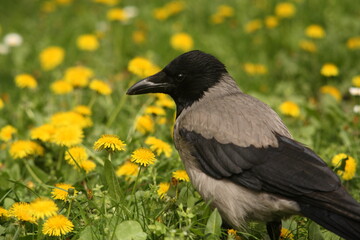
x=336 y=211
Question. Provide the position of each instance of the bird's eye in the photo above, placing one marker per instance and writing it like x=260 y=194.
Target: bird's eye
x=180 y=76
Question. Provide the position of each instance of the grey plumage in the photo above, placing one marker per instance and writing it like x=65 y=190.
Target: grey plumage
x=241 y=157
x=228 y=115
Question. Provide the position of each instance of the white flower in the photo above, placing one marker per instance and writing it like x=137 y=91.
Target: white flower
x=355 y=91
x=131 y=11
x=356 y=109
x=13 y=39
x=4 y=49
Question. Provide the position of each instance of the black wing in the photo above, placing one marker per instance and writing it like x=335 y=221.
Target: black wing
x=290 y=170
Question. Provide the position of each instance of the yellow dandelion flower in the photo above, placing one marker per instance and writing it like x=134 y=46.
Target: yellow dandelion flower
x=38 y=150
x=143 y=156
x=271 y=21
x=139 y=36
x=22 y=211
x=142 y=67
x=117 y=14
x=57 y=225
x=159 y=146
x=182 y=42
x=308 y=46
x=290 y=109
x=62 y=191
x=61 y=87
x=7 y=132
x=181 y=175
x=51 y=57
x=4 y=212
x=83 y=110
x=43 y=208
x=164 y=101
x=163 y=188
x=30 y=184
x=255 y=69
x=76 y=155
x=345 y=166
x=161 y=14
x=100 y=87
x=155 y=110
x=144 y=124
x=68 y=135
x=161 y=121
x=110 y=143
x=329 y=70
x=1 y=104
x=127 y=169
x=332 y=91
x=232 y=232
x=25 y=148
x=285 y=10
x=88 y=166
x=43 y=132
x=70 y=118
x=107 y=2
x=356 y=81
x=217 y=18
x=87 y=42
x=315 y=31
x=48 y=6
x=169 y=10
x=225 y=11
x=78 y=76
x=25 y=81
x=253 y=26
x=353 y=43
x=286 y=234
x=175 y=7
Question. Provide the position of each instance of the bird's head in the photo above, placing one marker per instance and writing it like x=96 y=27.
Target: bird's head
x=185 y=79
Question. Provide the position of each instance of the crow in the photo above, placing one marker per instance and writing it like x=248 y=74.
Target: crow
x=241 y=157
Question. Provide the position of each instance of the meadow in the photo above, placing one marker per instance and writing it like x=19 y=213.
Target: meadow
x=79 y=159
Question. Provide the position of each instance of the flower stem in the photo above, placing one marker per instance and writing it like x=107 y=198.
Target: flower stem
x=92 y=100
x=32 y=173
x=133 y=191
x=69 y=209
x=61 y=156
x=17 y=233
x=116 y=111
x=136 y=181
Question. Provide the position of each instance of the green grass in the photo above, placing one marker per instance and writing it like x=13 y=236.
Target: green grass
x=111 y=207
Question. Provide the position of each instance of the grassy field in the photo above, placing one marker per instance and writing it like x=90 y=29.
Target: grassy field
x=81 y=160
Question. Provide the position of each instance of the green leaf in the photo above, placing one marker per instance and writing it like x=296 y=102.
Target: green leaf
x=89 y=233
x=112 y=181
x=39 y=173
x=314 y=232
x=213 y=225
x=130 y=230
x=4 y=183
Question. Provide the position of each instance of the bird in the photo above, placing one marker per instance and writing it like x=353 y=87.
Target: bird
x=241 y=157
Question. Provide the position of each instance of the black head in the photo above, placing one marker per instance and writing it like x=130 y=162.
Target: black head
x=185 y=79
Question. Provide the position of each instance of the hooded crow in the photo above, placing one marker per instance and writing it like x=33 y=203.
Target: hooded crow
x=241 y=157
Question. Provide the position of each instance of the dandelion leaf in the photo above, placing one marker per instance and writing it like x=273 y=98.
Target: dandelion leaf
x=213 y=225
x=112 y=182
x=129 y=230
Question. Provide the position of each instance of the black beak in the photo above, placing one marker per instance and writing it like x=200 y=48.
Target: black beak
x=156 y=83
